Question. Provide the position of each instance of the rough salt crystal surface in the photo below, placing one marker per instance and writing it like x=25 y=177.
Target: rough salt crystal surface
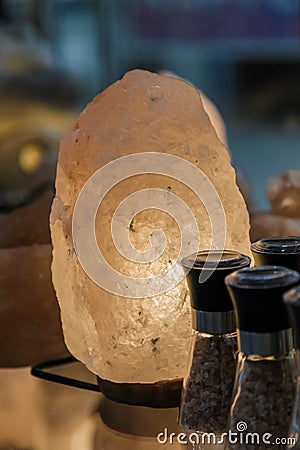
x=29 y=316
x=124 y=339
x=283 y=194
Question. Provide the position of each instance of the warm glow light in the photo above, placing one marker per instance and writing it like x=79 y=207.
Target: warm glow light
x=30 y=158
x=178 y=170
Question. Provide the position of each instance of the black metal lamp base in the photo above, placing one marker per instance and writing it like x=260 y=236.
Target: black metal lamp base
x=163 y=394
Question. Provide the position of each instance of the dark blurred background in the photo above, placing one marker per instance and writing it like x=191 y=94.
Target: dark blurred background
x=55 y=55
x=243 y=54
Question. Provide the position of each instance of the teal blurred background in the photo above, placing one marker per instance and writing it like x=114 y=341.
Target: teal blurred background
x=243 y=54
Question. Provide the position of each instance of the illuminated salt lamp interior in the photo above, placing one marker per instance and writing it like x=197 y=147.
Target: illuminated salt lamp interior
x=121 y=338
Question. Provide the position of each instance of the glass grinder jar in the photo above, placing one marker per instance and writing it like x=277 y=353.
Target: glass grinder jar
x=292 y=300
x=265 y=383
x=278 y=250
x=207 y=387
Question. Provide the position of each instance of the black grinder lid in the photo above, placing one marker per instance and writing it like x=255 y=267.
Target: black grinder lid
x=256 y=294
x=292 y=301
x=278 y=250
x=209 y=293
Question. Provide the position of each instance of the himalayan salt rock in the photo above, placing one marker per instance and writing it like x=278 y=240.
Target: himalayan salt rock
x=29 y=319
x=27 y=225
x=211 y=109
x=128 y=339
x=265 y=224
x=283 y=194
x=29 y=314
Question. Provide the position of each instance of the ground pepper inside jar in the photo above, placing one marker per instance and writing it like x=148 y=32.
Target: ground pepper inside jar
x=265 y=402
x=265 y=383
x=208 y=388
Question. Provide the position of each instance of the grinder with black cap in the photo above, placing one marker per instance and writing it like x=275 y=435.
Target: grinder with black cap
x=265 y=381
x=292 y=301
x=207 y=388
x=278 y=251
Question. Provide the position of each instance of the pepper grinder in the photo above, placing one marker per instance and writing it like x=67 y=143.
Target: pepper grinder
x=292 y=300
x=278 y=250
x=265 y=382
x=207 y=387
